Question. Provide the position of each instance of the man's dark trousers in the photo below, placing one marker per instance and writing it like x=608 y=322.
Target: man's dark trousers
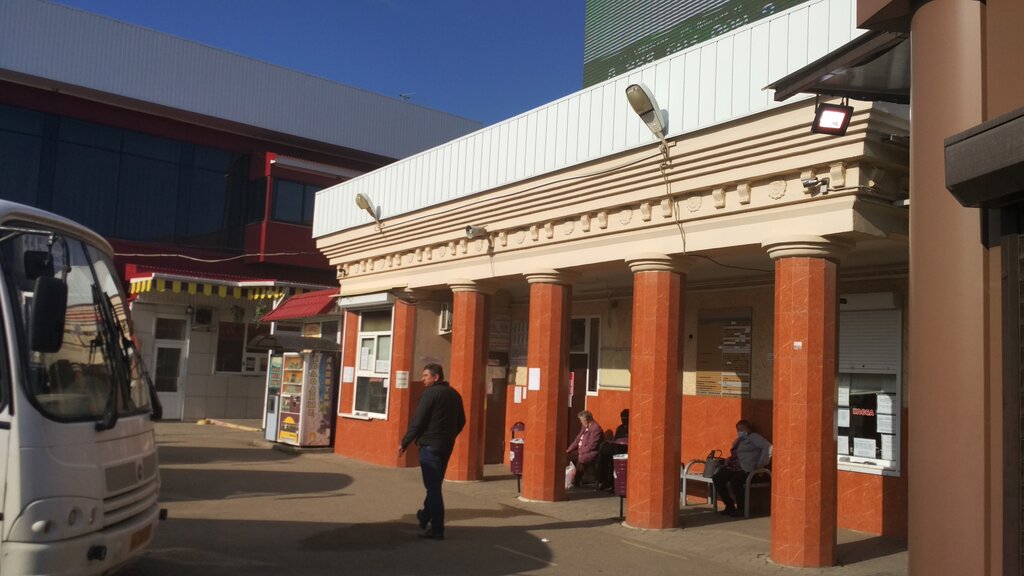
x=433 y=464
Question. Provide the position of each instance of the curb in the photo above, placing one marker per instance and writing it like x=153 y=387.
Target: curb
x=215 y=422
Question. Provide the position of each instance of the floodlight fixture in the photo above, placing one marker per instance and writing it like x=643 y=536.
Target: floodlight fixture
x=364 y=203
x=641 y=99
x=473 y=232
x=832 y=119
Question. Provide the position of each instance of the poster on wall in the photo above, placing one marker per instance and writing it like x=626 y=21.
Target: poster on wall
x=723 y=352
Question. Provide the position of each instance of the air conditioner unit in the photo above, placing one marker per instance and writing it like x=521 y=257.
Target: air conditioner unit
x=203 y=317
x=444 y=320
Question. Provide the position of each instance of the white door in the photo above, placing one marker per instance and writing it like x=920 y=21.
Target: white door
x=169 y=364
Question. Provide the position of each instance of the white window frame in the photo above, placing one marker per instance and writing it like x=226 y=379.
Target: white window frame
x=852 y=463
x=371 y=371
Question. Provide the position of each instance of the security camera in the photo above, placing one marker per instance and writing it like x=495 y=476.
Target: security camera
x=820 y=183
x=475 y=231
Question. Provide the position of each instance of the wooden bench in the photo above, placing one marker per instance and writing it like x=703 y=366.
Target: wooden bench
x=694 y=472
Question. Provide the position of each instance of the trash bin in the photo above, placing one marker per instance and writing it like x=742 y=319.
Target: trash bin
x=515 y=456
x=620 y=468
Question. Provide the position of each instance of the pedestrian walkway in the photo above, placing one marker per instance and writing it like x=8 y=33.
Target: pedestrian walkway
x=359 y=518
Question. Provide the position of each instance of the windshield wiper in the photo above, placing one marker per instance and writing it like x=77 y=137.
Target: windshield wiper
x=110 y=414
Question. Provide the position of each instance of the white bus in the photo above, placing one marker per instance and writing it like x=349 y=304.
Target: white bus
x=78 y=464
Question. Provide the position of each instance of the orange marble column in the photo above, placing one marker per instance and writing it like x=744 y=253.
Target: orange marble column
x=655 y=418
x=546 y=409
x=403 y=400
x=467 y=375
x=803 y=521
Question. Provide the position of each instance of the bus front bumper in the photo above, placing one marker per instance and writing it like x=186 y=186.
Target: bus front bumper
x=117 y=545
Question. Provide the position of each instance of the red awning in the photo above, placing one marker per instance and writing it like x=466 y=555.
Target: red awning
x=303 y=306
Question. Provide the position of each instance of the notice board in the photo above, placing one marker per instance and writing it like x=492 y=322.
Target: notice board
x=723 y=352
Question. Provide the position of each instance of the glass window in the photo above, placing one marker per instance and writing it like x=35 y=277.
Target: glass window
x=90 y=371
x=148 y=201
x=375 y=321
x=20 y=159
x=869 y=402
x=232 y=354
x=578 y=335
x=126 y=184
x=293 y=201
x=85 y=185
x=230 y=343
x=170 y=329
x=21 y=120
x=139 y=144
x=168 y=368
x=89 y=134
x=255 y=204
x=288 y=201
x=373 y=365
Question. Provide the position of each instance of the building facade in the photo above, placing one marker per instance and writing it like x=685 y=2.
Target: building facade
x=563 y=260
x=200 y=167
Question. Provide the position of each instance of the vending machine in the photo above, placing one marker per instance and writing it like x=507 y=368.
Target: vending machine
x=305 y=410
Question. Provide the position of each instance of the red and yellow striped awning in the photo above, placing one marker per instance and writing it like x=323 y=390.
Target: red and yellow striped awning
x=269 y=290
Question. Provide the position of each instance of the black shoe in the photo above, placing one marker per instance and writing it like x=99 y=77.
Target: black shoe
x=422 y=517
x=431 y=535
x=728 y=511
x=737 y=513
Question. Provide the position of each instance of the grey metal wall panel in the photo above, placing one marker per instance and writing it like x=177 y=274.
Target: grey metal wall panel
x=69 y=46
x=711 y=83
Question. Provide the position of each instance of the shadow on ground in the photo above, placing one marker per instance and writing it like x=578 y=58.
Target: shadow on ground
x=178 y=484
x=186 y=454
x=228 y=548
x=868 y=549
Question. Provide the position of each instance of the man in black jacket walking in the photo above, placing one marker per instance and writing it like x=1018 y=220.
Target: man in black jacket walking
x=438 y=420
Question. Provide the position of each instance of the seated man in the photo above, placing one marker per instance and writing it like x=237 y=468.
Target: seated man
x=583 y=450
x=749 y=452
x=605 y=481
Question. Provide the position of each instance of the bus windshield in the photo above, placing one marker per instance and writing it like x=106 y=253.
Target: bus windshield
x=91 y=374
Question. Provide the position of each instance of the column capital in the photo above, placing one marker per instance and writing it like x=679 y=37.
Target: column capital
x=549 y=276
x=467 y=285
x=806 y=246
x=655 y=262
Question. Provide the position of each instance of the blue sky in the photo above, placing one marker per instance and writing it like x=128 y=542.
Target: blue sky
x=481 y=59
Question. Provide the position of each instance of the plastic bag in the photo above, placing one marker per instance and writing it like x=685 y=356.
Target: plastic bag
x=570 y=475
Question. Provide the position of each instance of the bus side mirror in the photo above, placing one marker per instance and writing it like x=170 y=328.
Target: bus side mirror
x=49 y=306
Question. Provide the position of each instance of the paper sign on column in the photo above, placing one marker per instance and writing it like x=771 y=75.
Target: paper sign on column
x=348 y=375
x=523 y=388
x=884 y=424
x=843 y=445
x=843 y=420
x=520 y=376
x=844 y=396
x=517 y=394
x=864 y=447
x=885 y=404
x=401 y=379
x=887 y=447
x=533 y=379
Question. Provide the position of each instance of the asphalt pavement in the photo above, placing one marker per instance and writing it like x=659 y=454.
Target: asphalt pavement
x=237 y=507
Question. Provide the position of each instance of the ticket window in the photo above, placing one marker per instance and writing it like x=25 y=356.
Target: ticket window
x=869 y=388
